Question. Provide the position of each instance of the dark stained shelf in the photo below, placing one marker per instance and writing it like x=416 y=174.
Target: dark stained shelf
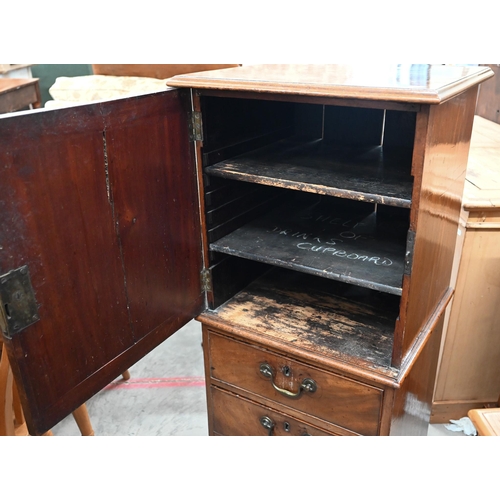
x=347 y=321
x=358 y=173
x=336 y=239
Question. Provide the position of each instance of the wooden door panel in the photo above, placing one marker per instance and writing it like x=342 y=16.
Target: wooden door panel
x=84 y=200
x=154 y=194
x=56 y=219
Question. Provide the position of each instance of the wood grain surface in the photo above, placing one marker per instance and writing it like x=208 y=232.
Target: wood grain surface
x=81 y=197
x=334 y=239
x=364 y=173
x=160 y=71
x=419 y=83
x=339 y=400
x=440 y=163
x=329 y=319
x=238 y=416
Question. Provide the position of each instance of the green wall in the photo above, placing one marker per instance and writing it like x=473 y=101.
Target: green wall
x=47 y=73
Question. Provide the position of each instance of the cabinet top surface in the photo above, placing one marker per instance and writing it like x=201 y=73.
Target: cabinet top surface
x=8 y=84
x=482 y=187
x=415 y=83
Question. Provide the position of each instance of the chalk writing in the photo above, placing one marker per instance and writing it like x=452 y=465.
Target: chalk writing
x=332 y=220
x=329 y=244
x=378 y=261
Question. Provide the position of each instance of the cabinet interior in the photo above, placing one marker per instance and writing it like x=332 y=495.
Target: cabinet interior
x=306 y=196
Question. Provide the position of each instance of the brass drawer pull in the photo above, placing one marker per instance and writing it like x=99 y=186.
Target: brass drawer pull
x=307 y=385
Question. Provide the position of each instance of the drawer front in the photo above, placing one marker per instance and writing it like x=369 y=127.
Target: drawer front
x=334 y=398
x=237 y=416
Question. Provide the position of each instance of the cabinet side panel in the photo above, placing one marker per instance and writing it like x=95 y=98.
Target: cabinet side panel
x=436 y=213
x=413 y=400
x=207 y=363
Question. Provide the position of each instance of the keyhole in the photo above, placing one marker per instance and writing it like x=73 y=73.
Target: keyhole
x=286 y=371
x=286 y=427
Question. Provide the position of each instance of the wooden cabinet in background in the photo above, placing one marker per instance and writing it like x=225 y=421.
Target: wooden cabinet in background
x=305 y=214
x=469 y=370
x=488 y=102
x=19 y=93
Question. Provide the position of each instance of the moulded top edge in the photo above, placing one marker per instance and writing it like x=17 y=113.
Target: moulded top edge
x=414 y=83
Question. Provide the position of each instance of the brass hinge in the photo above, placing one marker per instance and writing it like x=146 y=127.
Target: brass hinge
x=410 y=248
x=195 y=126
x=18 y=307
x=206 y=281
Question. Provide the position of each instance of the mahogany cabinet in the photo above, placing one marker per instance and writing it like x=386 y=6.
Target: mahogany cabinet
x=306 y=215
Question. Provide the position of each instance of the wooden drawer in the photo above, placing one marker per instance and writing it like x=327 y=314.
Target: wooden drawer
x=18 y=94
x=237 y=416
x=337 y=399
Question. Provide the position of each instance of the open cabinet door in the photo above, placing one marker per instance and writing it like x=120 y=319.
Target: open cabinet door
x=100 y=244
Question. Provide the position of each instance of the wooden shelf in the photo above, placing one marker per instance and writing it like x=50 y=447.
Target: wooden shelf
x=326 y=318
x=335 y=239
x=357 y=173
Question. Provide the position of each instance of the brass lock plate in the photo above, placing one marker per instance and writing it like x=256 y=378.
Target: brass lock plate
x=18 y=307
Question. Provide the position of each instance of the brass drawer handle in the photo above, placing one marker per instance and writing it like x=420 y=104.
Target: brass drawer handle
x=307 y=385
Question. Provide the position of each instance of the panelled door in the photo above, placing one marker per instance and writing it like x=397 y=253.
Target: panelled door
x=100 y=244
